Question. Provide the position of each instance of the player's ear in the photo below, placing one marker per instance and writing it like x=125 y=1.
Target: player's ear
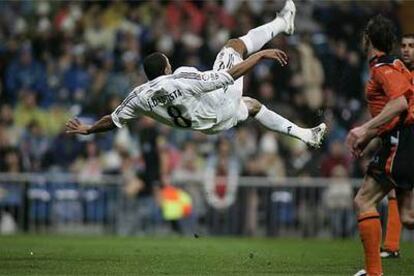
x=168 y=69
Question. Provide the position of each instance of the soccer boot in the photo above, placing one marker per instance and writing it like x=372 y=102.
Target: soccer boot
x=388 y=254
x=316 y=136
x=362 y=272
x=288 y=14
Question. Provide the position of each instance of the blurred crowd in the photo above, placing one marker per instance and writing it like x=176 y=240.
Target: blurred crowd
x=63 y=59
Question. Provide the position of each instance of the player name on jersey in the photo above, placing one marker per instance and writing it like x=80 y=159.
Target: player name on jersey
x=163 y=99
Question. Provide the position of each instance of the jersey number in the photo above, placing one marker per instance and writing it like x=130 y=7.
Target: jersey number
x=179 y=120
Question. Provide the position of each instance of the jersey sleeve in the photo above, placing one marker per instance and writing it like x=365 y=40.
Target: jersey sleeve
x=126 y=111
x=202 y=82
x=394 y=83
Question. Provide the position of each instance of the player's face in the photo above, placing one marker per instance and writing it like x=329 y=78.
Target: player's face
x=168 y=69
x=407 y=50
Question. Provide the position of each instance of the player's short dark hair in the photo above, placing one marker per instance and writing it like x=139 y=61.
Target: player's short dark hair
x=380 y=31
x=408 y=36
x=154 y=65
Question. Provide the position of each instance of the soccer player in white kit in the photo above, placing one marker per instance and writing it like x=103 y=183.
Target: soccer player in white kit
x=210 y=101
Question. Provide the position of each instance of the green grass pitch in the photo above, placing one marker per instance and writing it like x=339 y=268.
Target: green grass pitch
x=79 y=255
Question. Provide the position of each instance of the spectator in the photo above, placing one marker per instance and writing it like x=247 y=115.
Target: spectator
x=338 y=200
x=11 y=161
x=245 y=144
x=5 y=145
x=100 y=91
x=192 y=164
x=34 y=145
x=337 y=156
x=222 y=173
x=123 y=82
x=300 y=163
x=96 y=35
x=11 y=130
x=27 y=110
x=190 y=160
x=63 y=151
x=89 y=167
x=25 y=73
x=313 y=76
x=138 y=212
x=77 y=78
x=273 y=165
x=184 y=14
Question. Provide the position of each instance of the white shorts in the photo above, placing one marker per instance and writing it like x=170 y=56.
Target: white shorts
x=230 y=108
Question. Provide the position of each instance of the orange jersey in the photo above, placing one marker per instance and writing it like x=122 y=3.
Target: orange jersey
x=389 y=79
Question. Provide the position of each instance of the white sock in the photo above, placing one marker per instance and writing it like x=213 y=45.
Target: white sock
x=257 y=37
x=275 y=122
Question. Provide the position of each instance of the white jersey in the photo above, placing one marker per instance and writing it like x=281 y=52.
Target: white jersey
x=205 y=101
x=178 y=100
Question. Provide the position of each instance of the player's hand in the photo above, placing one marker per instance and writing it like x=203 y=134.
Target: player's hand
x=357 y=140
x=275 y=54
x=74 y=126
x=354 y=140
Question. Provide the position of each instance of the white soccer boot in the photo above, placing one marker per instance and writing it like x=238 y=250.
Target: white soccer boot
x=362 y=272
x=316 y=136
x=288 y=14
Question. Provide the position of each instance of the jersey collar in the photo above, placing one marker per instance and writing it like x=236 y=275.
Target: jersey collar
x=382 y=59
x=374 y=59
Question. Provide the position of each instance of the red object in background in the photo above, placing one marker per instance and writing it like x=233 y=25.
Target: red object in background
x=329 y=162
x=169 y=192
x=60 y=17
x=221 y=188
x=187 y=209
x=178 y=12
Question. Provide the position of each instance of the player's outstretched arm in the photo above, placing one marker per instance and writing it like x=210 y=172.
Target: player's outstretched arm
x=392 y=109
x=203 y=82
x=243 y=67
x=359 y=137
x=74 y=126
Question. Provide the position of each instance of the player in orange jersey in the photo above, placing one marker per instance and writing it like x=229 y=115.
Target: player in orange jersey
x=391 y=248
x=390 y=96
x=407 y=51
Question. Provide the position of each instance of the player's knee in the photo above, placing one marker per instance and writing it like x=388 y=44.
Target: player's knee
x=237 y=45
x=253 y=106
x=357 y=203
x=360 y=204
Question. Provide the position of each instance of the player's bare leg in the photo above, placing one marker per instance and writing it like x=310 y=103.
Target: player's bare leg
x=273 y=121
x=254 y=40
x=369 y=225
x=369 y=195
x=406 y=207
